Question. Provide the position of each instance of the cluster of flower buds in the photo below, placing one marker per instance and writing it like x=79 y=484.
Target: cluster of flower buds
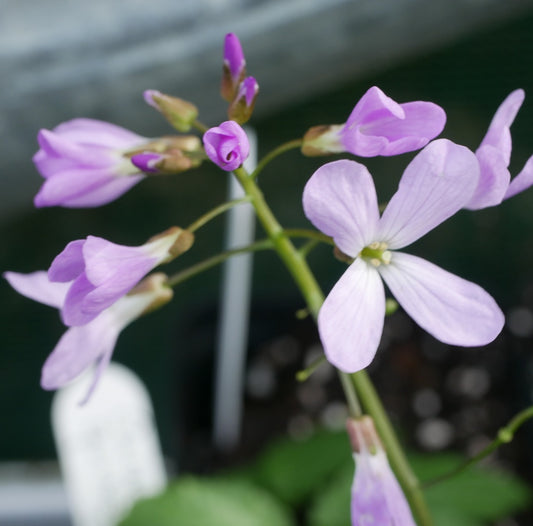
x=238 y=89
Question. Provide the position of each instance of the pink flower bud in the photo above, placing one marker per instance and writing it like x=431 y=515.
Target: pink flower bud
x=227 y=145
x=240 y=110
x=234 y=69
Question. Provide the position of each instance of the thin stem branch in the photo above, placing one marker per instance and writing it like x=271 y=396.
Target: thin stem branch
x=208 y=263
x=220 y=209
x=310 y=234
x=200 y=126
x=303 y=374
x=296 y=143
x=504 y=436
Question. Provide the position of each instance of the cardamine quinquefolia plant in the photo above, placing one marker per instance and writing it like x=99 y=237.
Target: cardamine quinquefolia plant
x=100 y=287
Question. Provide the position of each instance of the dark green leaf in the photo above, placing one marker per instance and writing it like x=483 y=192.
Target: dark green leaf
x=195 y=501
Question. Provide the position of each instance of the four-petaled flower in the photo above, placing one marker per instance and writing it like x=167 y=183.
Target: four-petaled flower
x=93 y=343
x=378 y=126
x=377 y=499
x=84 y=164
x=494 y=155
x=340 y=200
x=100 y=272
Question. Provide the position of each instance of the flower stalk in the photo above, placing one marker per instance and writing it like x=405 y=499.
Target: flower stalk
x=314 y=297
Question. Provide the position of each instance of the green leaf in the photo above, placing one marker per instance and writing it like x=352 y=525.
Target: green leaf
x=479 y=493
x=331 y=507
x=293 y=470
x=193 y=501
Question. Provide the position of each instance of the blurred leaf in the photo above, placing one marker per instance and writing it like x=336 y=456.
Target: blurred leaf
x=474 y=498
x=292 y=470
x=332 y=505
x=480 y=493
x=195 y=501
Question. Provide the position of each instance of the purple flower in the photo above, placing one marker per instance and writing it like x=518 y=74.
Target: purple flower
x=494 y=155
x=101 y=272
x=81 y=347
x=378 y=126
x=84 y=165
x=234 y=69
x=227 y=145
x=340 y=200
x=376 y=495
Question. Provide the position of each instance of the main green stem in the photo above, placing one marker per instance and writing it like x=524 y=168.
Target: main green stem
x=314 y=297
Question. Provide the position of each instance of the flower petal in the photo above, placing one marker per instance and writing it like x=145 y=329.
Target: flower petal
x=69 y=263
x=438 y=182
x=522 y=181
x=77 y=349
x=38 y=287
x=380 y=126
x=103 y=194
x=340 y=200
x=498 y=134
x=453 y=310
x=376 y=495
x=99 y=133
x=493 y=180
x=350 y=321
x=106 y=261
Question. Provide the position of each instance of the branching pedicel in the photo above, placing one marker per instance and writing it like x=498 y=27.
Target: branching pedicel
x=100 y=287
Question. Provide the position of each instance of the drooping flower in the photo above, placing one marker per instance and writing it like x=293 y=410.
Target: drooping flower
x=234 y=67
x=340 y=200
x=494 y=156
x=377 y=498
x=227 y=145
x=378 y=126
x=101 y=272
x=84 y=165
x=81 y=347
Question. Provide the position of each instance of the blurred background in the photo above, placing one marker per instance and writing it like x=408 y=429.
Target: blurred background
x=313 y=60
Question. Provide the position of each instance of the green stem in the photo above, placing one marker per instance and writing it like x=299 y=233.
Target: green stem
x=200 y=126
x=296 y=143
x=504 y=436
x=303 y=374
x=208 y=263
x=304 y=278
x=220 y=209
x=310 y=234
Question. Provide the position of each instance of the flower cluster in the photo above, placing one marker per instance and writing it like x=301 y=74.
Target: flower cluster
x=99 y=287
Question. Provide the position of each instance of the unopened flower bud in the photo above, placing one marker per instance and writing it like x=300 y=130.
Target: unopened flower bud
x=178 y=112
x=147 y=161
x=227 y=145
x=240 y=110
x=234 y=68
x=168 y=155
